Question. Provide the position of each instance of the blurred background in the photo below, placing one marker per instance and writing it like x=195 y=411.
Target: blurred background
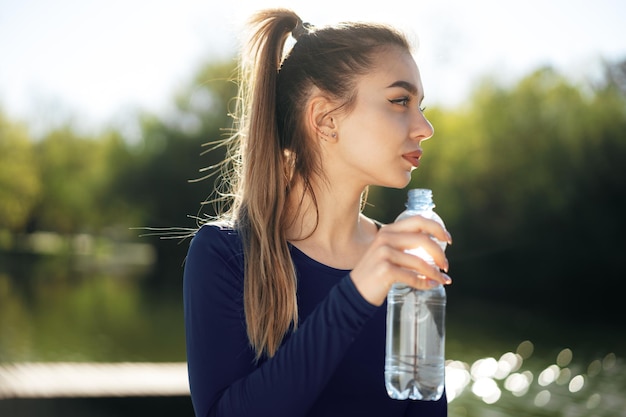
x=105 y=112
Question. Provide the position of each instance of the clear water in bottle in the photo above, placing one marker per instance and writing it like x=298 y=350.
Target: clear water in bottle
x=414 y=365
x=414 y=362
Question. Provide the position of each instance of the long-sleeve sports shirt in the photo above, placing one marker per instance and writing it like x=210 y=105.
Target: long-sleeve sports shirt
x=332 y=365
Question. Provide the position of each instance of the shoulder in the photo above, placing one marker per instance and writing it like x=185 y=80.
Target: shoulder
x=216 y=236
x=217 y=232
x=215 y=248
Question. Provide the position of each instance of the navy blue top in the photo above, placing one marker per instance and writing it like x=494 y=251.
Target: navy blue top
x=332 y=365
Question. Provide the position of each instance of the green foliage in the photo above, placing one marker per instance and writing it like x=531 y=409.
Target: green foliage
x=168 y=159
x=531 y=182
x=159 y=174
x=71 y=168
x=529 y=178
x=70 y=183
x=20 y=183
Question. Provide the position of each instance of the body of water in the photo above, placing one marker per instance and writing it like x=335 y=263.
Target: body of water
x=503 y=361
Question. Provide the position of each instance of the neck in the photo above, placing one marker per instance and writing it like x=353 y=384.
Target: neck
x=335 y=233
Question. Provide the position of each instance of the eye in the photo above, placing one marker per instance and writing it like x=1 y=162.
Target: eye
x=402 y=101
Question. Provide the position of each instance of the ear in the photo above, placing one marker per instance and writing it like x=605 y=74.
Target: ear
x=319 y=116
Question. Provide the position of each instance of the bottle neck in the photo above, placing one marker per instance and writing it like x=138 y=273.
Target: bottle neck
x=420 y=199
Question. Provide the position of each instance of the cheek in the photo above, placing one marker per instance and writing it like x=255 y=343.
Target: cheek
x=372 y=124
x=368 y=138
x=374 y=132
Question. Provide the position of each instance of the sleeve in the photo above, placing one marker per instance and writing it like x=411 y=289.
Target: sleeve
x=223 y=377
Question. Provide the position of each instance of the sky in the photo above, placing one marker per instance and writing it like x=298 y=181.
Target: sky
x=98 y=62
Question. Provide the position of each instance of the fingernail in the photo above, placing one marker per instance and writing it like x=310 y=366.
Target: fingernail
x=449 y=237
x=447 y=279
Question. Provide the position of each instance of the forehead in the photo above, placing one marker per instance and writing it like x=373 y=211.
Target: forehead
x=393 y=65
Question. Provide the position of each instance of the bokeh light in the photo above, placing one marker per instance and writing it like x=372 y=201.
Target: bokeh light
x=484 y=368
x=594 y=368
x=548 y=375
x=542 y=398
x=564 y=357
x=518 y=383
x=564 y=376
x=457 y=378
x=593 y=401
x=502 y=380
x=577 y=383
x=487 y=389
x=525 y=349
x=609 y=361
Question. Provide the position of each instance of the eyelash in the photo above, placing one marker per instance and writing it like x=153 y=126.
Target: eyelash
x=404 y=102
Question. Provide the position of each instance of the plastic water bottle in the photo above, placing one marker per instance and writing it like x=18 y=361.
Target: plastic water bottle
x=414 y=362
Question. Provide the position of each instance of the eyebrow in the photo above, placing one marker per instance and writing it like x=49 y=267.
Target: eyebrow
x=410 y=87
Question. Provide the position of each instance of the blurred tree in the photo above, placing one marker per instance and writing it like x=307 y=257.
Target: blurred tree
x=530 y=183
x=20 y=184
x=543 y=207
x=116 y=213
x=615 y=77
x=528 y=178
x=159 y=176
x=73 y=172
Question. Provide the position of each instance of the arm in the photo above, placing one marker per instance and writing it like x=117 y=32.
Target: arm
x=224 y=379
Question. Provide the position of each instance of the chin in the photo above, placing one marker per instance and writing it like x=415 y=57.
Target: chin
x=399 y=182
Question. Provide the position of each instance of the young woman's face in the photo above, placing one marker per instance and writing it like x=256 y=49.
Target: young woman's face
x=379 y=140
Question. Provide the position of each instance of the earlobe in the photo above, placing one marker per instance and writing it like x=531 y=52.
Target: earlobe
x=326 y=135
x=319 y=117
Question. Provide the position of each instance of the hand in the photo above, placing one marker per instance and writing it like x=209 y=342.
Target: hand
x=385 y=262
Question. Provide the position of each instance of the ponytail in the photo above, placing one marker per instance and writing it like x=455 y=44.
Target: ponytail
x=271 y=150
x=270 y=284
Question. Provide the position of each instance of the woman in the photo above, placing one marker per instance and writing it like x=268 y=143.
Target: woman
x=284 y=296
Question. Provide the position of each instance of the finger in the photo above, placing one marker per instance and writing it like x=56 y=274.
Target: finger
x=419 y=223
x=418 y=266
x=432 y=249
x=419 y=281
x=404 y=241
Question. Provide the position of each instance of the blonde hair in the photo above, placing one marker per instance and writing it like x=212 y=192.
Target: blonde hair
x=271 y=150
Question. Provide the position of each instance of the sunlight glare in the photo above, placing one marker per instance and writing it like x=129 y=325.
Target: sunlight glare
x=518 y=383
x=487 y=390
x=548 y=375
x=509 y=362
x=577 y=383
x=484 y=368
x=457 y=379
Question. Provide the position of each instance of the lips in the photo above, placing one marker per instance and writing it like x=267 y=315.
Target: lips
x=413 y=157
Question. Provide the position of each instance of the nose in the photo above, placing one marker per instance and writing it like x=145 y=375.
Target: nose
x=421 y=129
